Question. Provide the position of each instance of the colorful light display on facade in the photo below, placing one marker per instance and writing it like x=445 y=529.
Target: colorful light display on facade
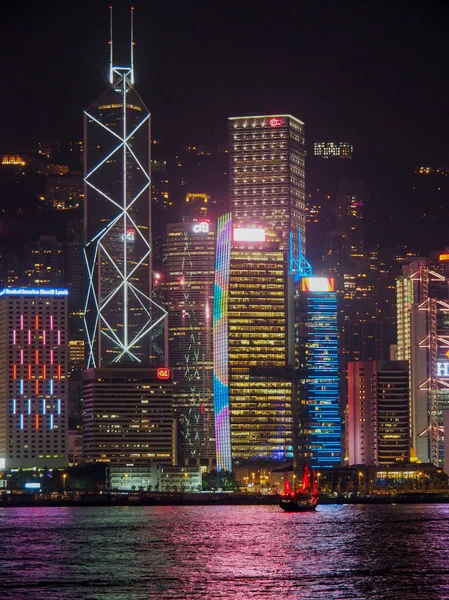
x=220 y=335
x=252 y=387
x=34 y=362
x=321 y=431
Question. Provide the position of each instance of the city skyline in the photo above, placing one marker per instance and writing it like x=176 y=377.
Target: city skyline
x=226 y=300
x=265 y=167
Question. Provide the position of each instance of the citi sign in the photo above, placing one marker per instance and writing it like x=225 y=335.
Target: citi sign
x=443 y=369
x=201 y=227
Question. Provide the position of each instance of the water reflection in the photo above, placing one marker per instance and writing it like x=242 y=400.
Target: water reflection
x=95 y=553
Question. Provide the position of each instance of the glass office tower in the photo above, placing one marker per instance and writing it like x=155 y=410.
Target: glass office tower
x=119 y=312
x=320 y=424
x=253 y=388
x=267 y=176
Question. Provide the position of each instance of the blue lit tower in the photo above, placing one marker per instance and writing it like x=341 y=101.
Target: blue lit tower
x=320 y=426
x=119 y=312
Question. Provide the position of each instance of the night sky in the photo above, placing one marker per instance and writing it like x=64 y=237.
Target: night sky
x=374 y=73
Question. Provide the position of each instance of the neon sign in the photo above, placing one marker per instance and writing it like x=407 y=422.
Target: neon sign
x=33 y=486
x=163 y=373
x=130 y=236
x=442 y=369
x=318 y=284
x=33 y=292
x=202 y=227
x=275 y=122
x=244 y=234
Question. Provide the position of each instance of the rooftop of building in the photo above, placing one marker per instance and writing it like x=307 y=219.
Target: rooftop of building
x=278 y=116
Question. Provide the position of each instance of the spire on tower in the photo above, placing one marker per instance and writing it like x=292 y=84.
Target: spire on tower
x=121 y=70
x=132 y=44
x=111 y=53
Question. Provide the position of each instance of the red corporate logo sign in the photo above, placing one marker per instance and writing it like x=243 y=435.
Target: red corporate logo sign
x=163 y=373
x=275 y=122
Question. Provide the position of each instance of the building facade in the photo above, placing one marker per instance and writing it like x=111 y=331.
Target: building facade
x=423 y=340
x=33 y=383
x=190 y=290
x=316 y=338
x=378 y=413
x=253 y=386
x=267 y=176
x=157 y=478
x=128 y=416
x=119 y=312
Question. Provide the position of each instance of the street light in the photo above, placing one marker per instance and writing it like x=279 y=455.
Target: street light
x=64 y=477
x=360 y=474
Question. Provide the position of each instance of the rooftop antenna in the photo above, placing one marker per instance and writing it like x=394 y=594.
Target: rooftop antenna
x=132 y=45
x=111 y=53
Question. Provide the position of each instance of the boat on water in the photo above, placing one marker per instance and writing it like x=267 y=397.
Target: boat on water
x=301 y=499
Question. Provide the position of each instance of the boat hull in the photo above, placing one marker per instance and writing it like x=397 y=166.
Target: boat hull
x=298 y=504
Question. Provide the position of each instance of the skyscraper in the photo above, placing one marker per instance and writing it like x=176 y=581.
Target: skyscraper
x=423 y=340
x=378 y=413
x=120 y=313
x=128 y=412
x=267 y=177
x=33 y=377
x=190 y=290
x=128 y=416
x=320 y=429
x=253 y=386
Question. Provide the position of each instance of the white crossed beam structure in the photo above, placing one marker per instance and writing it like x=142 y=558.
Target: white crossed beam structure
x=110 y=245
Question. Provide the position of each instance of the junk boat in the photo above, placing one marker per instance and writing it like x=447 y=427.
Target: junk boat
x=304 y=498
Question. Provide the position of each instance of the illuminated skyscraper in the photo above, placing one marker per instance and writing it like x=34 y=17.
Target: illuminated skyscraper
x=253 y=386
x=378 y=413
x=316 y=333
x=33 y=377
x=423 y=340
x=119 y=312
x=190 y=290
x=128 y=416
x=267 y=177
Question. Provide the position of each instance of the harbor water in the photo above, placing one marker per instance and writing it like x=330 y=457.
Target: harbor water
x=221 y=552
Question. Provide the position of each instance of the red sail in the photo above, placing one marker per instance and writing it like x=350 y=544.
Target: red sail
x=306 y=479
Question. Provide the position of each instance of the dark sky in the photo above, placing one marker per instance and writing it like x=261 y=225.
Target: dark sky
x=374 y=73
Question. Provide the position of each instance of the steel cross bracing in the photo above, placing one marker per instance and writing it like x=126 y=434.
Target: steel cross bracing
x=433 y=383
x=124 y=339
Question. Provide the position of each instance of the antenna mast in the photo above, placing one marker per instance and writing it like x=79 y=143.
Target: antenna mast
x=111 y=53
x=132 y=45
